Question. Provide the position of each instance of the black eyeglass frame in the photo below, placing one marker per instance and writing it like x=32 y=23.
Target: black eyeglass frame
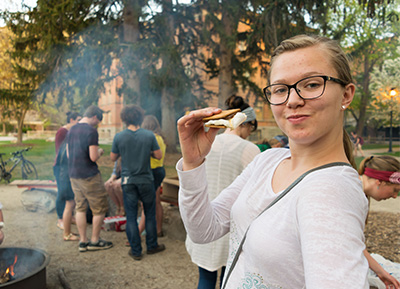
x=325 y=77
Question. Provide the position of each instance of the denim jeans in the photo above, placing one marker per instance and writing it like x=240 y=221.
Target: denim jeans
x=208 y=279
x=132 y=193
x=60 y=204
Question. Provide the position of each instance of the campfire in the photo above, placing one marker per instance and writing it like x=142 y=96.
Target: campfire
x=22 y=268
x=8 y=273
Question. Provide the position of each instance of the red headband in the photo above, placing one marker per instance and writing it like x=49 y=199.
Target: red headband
x=392 y=177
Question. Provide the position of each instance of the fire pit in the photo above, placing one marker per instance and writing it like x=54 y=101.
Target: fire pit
x=26 y=267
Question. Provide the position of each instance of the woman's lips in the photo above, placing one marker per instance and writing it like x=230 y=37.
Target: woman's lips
x=298 y=118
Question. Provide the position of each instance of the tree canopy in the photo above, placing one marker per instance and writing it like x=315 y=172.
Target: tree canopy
x=64 y=49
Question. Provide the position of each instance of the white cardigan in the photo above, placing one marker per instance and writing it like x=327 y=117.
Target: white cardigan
x=229 y=156
x=312 y=238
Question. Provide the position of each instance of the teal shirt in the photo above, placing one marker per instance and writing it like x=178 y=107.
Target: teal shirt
x=135 y=148
x=263 y=147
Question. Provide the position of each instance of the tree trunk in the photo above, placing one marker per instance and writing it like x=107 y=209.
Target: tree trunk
x=131 y=35
x=365 y=96
x=168 y=120
x=225 y=80
x=20 y=124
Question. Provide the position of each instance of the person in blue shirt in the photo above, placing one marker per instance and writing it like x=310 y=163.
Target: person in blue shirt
x=135 y=146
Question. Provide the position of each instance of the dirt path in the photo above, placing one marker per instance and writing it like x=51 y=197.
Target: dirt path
x=112 y=268
x=170 y=269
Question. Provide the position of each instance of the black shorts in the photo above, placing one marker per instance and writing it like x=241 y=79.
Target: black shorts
x=159 y=175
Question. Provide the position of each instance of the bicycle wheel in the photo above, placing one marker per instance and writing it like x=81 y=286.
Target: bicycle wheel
x=28 y=171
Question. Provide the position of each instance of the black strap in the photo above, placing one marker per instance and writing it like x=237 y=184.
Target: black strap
x=239 y=250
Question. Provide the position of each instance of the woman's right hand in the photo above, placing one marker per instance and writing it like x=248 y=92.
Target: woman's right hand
x=194 y=140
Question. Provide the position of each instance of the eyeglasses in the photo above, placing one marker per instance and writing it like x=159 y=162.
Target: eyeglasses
x=307 y=88
x=250 y=125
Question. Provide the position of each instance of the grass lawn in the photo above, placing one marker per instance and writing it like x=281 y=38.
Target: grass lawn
x=42 y=155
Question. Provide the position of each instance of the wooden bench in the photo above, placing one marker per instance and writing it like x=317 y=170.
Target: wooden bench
x=35 y=184
x=170 y=189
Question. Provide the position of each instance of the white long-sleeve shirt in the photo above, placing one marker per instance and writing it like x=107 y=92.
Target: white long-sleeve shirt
x=229 y=156
x=312 y=238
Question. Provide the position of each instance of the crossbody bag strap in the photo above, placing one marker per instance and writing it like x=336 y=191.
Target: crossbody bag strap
x=239 y=250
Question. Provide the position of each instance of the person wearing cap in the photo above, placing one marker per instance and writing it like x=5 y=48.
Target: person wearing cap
x=83 y=151
x=380 y=177
x=230 y=153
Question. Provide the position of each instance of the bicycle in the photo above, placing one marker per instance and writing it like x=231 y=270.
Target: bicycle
x=28 y=170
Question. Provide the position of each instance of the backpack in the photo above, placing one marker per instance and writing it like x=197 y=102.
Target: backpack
x=62 y=160
x=361 y=142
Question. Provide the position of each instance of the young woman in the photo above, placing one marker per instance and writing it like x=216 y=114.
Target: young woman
x=380 y=177
x=151 y=123
x=65 y=203
x=313 y=237
x=229 y=155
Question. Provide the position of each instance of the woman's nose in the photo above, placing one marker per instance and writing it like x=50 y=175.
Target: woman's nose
x=294 y=99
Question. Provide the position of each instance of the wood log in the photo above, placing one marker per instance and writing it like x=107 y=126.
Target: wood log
x=63 y=279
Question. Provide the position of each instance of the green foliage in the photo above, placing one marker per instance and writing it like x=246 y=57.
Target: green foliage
x=384 y=81
x=70 y=53
x=63 y=49
x=371 y=37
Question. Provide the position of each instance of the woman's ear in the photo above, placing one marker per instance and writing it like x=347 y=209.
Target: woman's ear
x=348 y=94
x=378 y=183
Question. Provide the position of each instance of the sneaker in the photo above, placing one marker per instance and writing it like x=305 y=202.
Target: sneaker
x=156 y=250
x=83 y=246
x=100 y=245
x=137 y=258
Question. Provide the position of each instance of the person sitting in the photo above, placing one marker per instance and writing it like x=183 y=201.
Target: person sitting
x=267 y=144
x=114 y=189
x=380 y=179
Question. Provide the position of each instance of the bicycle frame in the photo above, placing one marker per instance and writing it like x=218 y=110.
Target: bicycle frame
x=17 y=158
x=16 y=161
x=4 y=173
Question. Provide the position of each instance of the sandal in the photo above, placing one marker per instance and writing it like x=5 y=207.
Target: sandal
x=71 y=237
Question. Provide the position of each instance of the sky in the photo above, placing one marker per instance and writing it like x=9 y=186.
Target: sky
x=14 y=5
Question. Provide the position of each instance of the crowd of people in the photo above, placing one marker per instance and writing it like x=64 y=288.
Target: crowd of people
x=138 y=154
x=287 y=212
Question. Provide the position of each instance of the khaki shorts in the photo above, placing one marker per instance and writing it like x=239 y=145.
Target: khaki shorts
x=90 y=190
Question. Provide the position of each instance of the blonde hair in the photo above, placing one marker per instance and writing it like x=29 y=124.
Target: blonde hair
x=338 y=59
x=150 y=122
x=380 y=163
